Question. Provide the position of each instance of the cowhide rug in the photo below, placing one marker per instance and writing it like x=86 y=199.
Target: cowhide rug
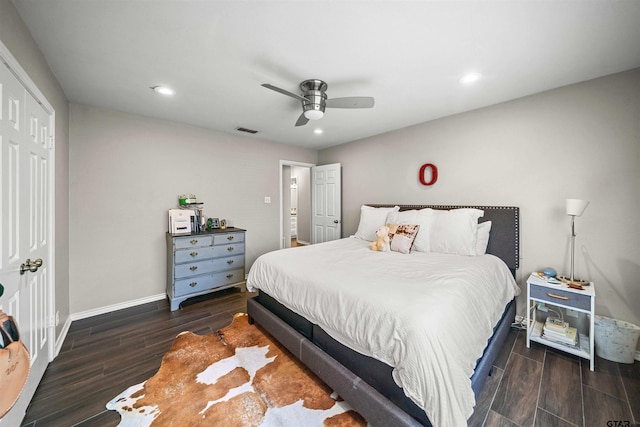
x=237 y=377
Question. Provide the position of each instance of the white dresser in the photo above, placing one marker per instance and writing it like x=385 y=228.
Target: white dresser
x=199 y=263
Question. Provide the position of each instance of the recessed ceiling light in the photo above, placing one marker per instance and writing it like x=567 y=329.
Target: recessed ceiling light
x=469 y=78
x=163 y=90
x=318 y=131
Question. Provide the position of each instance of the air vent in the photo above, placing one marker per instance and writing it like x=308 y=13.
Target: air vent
x=247 y=130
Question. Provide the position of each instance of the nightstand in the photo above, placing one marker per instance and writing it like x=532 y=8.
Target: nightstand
x=577 y=307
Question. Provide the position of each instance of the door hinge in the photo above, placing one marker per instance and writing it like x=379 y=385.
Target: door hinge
x=52 y=143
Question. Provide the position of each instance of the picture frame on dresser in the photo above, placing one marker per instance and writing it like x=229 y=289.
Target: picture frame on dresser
x=204 y=262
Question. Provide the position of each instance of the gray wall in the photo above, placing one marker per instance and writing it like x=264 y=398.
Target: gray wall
x=580 y=141
x=15 y=36
x=127 y=171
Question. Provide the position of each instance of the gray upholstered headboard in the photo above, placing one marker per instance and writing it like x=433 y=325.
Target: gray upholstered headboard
x=504 y=240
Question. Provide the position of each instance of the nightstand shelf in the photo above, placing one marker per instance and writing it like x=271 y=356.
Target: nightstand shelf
x=575 y=306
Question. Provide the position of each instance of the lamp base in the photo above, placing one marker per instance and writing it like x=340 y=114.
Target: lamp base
x=566 y=279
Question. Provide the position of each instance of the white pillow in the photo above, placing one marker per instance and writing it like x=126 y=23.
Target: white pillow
x=484 y=229
x=371 y=219
x=455 y=231
x=423 y=218
x=404 y=217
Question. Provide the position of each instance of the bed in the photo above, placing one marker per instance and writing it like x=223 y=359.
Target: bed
x=431 y=320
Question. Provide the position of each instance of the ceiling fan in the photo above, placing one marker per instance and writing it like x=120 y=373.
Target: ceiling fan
x=314 y=100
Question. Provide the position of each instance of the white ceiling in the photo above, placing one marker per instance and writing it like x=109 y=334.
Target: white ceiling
x=407 y=54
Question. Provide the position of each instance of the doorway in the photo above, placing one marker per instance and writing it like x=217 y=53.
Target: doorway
x=295 y=206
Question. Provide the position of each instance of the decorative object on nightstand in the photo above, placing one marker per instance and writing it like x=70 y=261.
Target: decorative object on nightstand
x=561 y=317
x=575 y=207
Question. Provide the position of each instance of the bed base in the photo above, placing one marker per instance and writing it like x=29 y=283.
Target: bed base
x=365 y=383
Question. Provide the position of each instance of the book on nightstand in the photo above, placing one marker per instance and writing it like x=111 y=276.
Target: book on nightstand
x=568 y=338
x=556 y=325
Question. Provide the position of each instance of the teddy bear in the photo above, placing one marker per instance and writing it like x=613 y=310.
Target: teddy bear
x=384 y=234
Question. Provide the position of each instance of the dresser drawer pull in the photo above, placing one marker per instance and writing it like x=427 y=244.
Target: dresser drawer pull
x=194 y=254
x=193 y=268
x=230 y=238
x=230 y=248
x=194 y=241
x=229 y=276
x=230 y=262
x=557 y=296
x=193 y=284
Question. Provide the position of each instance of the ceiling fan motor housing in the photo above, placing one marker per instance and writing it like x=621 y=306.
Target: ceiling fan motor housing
x=313 y=91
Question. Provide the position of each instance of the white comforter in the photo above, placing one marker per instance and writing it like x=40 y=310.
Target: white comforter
x=428 y=315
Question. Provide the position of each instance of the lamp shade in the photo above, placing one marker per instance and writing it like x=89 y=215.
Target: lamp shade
x=575 y=207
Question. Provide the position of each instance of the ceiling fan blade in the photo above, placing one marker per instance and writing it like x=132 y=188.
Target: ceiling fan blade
x=351 y=102
x=302 y=120
x=285 y=92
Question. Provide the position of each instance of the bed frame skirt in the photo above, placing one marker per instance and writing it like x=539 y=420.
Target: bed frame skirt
x=364 y=382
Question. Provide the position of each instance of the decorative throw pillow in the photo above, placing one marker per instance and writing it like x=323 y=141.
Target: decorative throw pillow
x=455 y=231
x=370 y=220
x=402 y=240
x=484 y=229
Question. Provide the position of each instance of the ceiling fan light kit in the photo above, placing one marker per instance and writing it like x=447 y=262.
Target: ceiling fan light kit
x=314 y=100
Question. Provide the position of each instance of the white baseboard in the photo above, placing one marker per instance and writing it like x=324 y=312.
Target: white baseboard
x=115 y=307
x=60 y=339
x=637 y=356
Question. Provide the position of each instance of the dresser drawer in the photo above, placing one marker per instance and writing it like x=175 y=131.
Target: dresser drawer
x=193 y=268
x=207 y=281
x=560 y=297
x=228 y=263
x=223 y=239
x=228 y=277
x=193 y=254
x=192 y=241
x=228 y=250
x=193 y=284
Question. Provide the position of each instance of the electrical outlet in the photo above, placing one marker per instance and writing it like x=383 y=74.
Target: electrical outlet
x=571 y=313
x=542 y=307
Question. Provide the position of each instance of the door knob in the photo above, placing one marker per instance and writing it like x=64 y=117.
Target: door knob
x=31 y=266
x=335 y=221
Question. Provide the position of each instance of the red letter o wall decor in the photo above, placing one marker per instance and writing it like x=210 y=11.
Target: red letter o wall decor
x=434 y=174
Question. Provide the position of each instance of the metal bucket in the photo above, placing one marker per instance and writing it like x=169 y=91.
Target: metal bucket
x=616 y=340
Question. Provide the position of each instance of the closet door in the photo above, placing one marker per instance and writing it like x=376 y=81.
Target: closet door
x=25 y=227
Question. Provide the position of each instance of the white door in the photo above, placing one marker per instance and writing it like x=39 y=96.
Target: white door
x=25 y=131
x=326 y=218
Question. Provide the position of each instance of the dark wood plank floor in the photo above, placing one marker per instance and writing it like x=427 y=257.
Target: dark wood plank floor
x=105 y=354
